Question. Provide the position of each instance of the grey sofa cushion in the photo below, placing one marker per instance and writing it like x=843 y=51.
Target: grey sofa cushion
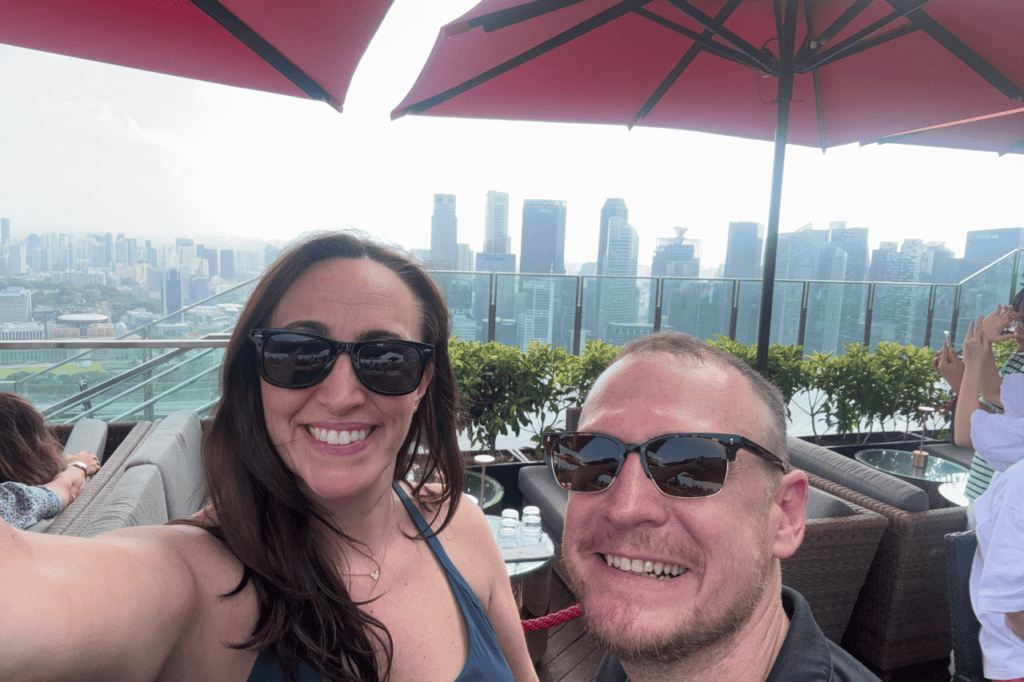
x=174 y=447
x=539 y=488
x=89 y=435
x=856 y=476
x=823 y=505
x=137 y=499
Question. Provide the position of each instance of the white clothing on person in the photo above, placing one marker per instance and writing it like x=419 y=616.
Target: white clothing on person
x=997 y=574
x=999 y=438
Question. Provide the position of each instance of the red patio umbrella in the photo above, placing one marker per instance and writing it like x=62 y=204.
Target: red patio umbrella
x=1002 y=133
x=304 y=49
x=812 y=72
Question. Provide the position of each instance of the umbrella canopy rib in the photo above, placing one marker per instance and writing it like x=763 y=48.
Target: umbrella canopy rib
x=757 y=55
x=704 y=40
x=681 y=66
x=596 y=21
x=514 y=15
x=941 y=35
x=238 y=28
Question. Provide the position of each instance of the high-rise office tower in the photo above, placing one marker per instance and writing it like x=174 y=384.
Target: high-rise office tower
x=619 y=299
x=543 y=238
x=991 y=245
x=536 y=312
x=744 y=249
x=496 y=239
x=465 y=259
x=854 y=241
x=802 y=255
x=444 y=250
x=673 y=257
x=5 y=231
x=210 y=256
x=613 y=208
x=227 y=264
x=15 y=305
x=173 y=294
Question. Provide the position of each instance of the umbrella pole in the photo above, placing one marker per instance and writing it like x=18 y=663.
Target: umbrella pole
x=771 y=241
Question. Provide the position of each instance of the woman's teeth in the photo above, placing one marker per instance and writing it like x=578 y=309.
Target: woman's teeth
x=650 y=569
x=337 y=437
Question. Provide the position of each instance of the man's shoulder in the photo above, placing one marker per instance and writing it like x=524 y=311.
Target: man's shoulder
x=806 y=653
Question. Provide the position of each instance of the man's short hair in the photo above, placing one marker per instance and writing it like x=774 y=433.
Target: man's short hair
x=687 y=346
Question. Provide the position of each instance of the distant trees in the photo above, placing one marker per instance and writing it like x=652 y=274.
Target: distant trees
x=66 y=297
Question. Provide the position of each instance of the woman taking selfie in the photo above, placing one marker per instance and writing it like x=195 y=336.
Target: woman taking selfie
x=318 y=561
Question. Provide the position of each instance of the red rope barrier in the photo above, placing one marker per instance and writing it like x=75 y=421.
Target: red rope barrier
x=552 y=619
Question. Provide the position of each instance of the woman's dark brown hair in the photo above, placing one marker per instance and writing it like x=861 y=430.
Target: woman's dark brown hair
x=283 y=538
x=29 y=452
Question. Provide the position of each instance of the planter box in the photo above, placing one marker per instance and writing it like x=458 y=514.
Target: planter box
x=851 y=443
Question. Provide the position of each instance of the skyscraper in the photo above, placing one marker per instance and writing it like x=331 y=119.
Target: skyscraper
x=673 y=257
x=543 y=237
x=496 y=239
x=991 y=245
x=613 y=208
x=5 y=231
x=444 y=250
x=173 y=294
x=619 y=299
x=744 y=249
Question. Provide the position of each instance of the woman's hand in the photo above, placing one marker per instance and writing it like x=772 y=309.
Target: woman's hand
x=949 y=366
x=977 y=345
x=996 y=322
x=68 y=484
x=90 y=460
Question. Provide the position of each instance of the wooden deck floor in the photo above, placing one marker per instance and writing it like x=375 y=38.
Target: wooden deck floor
x=571 y=655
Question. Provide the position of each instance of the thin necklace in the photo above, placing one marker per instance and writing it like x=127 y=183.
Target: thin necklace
x=376 y=573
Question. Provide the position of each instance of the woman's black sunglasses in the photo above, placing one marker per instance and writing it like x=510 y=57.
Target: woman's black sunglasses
x=679 y=464
x=288 y=358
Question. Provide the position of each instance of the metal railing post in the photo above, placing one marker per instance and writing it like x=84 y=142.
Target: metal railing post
x=659 y=288
x=577 y=328
x=492 y=307
x=735 y=312
x=956 y=314
x=869 y=307
x=147 y=382
x=805 y=294
x=931 y=317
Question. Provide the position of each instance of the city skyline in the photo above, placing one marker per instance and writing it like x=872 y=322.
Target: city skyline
x=90 y=147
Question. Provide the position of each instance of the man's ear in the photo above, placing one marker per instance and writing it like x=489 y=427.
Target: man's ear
x=789 y=513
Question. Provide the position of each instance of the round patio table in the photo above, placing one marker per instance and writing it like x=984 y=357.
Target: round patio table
x=900 y=463
x=954 y=493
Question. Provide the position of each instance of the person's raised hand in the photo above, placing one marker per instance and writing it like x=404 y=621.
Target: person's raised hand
x=977 y=347
x=88 y=459
x=949 y=366
x=994 y=324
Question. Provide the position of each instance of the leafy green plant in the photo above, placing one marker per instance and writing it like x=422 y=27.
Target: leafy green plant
x=581 y=371
x=787 y=367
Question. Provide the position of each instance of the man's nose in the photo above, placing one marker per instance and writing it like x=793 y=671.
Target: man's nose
x=633 y=498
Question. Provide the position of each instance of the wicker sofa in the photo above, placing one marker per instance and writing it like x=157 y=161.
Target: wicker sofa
x=902 y=613
x=840 y=541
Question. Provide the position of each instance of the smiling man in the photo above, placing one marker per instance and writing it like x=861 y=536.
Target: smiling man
x=681 y=505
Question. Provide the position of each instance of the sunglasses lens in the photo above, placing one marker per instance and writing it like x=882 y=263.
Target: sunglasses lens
x=294 y=359
x=687 y=467
x=584 y=462
x=389 y=367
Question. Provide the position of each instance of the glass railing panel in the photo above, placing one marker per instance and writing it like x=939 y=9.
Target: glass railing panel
x=899 y=314
x=823 y=331
x=623 y=309
x=748 y=311
x=981 y=293
x=942 y=317
x=786 y=303
x=545 y=310
x=852 y=314
x=468 y=295
x=700 y=307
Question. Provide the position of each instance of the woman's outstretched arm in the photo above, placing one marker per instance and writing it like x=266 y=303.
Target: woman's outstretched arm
x=107 y=608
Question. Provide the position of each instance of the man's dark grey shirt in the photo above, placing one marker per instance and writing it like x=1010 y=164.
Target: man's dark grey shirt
x=805 y=654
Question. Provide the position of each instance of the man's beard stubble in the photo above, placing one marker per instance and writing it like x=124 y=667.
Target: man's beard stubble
x=700 y=634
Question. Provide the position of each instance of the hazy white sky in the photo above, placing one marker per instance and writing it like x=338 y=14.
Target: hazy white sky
x=91 y=147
